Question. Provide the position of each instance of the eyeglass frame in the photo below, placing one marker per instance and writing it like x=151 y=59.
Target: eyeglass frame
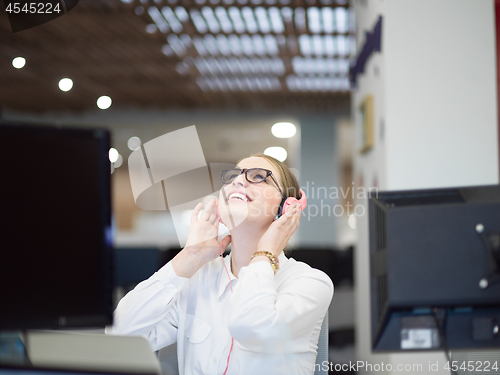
x=245 y=171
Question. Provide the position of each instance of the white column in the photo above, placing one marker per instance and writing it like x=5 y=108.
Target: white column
x=435 y=117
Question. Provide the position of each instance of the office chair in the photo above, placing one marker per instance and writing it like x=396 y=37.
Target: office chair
x=323 y=348
x=168 y=355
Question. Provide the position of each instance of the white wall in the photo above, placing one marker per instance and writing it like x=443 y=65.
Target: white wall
x=436 y=121
x=441 y=111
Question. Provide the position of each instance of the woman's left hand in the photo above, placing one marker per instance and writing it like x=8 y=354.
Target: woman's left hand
x=277 y=236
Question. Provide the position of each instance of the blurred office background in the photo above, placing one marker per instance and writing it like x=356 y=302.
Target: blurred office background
x=384 y=94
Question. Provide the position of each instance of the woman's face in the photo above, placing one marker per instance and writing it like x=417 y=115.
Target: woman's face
x=241 y=201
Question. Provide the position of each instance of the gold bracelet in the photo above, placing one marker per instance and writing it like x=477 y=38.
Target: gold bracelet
x=274 y=260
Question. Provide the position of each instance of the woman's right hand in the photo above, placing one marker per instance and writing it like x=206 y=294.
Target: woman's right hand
x=201 y=245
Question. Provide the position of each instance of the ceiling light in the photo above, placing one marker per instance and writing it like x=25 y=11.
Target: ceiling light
x=341 y=19
x=279 y=66
x=198 y=21
x=182 y=68
x=297 y=64
x=352 y=45
x=283 y=130
x=223 y=44
x=342 y=45
x=329 y=45
x=202 y=83
x=200 y=46
x=328 y=22
x=167 y=50
x=224 y=66
x=247 y=44
x=262 y=20
x=18 y=62
x=113 y=154
x=151 y=28
x=235 y=15
x=271 y=44
x=211 y=44
x=104 y=102
x=234 y=44
x=199 y=62
x=176 y=45
x=258 y=42
x=213 y=25
x=248 y=16
x=65 y=84
x=276 y=152
x=223 y=18
x=158 y=19
x=276 y=20
x=317 y=44
x=134 y=143
x=314 y=20
x=275 y=84
x=290 y=83
x=139 y=10
x=305 y=45
x=174 y=23
x=182 y=14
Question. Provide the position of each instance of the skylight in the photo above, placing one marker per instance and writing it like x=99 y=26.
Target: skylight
x=247 y=45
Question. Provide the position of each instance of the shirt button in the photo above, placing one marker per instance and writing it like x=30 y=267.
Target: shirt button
x=214 y=359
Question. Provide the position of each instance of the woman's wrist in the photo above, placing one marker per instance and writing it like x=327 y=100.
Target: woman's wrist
x=271 y=258
x=186 y=264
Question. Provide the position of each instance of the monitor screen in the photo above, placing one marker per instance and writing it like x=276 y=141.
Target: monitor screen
x=55 y=258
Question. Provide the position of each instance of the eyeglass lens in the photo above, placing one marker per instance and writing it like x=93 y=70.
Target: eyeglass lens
x=252 y=175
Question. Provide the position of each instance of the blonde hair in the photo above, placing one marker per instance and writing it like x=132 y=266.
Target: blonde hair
x=289 y=185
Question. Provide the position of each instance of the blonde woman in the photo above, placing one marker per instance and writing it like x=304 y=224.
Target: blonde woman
x=253 y=312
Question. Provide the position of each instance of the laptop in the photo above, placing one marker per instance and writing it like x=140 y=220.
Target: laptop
x=91 y=352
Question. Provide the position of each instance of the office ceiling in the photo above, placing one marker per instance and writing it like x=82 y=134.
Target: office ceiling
x=183 y=54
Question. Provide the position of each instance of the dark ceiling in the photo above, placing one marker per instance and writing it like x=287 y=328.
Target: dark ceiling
x=183 y=54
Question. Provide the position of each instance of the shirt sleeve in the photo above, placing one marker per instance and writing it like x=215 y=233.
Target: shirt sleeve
x=263 y=313
x=150 y=309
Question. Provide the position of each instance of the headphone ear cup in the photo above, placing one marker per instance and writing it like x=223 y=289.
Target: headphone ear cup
x=287 y=202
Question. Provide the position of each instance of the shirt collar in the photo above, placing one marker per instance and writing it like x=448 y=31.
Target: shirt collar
x=224 y=280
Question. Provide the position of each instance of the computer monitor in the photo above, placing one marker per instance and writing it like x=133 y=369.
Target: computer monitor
x=435 y=269
x=55 y=220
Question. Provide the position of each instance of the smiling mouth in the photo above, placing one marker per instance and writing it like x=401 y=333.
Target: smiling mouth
x=238 y=197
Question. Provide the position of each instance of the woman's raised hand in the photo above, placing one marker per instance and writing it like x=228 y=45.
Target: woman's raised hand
x=277 y=236
x=201 y=245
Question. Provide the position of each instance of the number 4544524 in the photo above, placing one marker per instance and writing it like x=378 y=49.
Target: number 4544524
x=33 y=8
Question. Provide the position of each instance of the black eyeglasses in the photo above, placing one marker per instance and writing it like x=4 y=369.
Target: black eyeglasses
x=252 y=175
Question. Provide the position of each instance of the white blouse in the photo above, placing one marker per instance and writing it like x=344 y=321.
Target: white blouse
x=275 y=320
